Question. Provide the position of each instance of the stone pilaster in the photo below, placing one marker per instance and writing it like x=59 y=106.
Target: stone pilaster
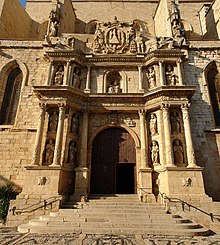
x=59 y=136
x=144 y=158
x=179 y=69
x=161 y=69
x=140 y=75
x=88 y=78
x=38 y=140
x=167 y=136
x=188 y=137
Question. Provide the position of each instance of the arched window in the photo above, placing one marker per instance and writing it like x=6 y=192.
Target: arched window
x=11 y=97
x=213 y=78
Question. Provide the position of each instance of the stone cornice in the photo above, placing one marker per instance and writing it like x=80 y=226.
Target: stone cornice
x=53 y=95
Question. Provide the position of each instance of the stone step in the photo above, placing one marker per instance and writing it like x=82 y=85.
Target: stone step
x=119 y=220
x=113 y=231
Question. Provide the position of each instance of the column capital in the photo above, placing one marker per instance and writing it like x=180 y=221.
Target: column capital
x=165 y=106
x=141 y=112
x=185 y=106
x=42 y=105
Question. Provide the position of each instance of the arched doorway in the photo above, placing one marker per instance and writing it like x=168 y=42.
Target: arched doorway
x=113 y=163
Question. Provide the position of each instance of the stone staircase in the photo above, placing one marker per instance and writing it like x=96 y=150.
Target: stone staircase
x=116 y=215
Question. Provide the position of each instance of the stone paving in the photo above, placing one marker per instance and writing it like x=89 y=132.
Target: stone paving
x=10 y=236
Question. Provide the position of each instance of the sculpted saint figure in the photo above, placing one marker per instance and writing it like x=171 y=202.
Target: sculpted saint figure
x=59 y=75
x=53 y=121
x=72 y=152
x=49 y=151
x=178 y=152
x=76 y=78
x=153 y=124
x=140 y=43
x=154 y=153
x=75 y=125
x=151 y=77
x=171 y=77
x=175 y=122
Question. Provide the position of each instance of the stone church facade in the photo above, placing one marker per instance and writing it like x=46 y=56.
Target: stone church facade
x=107 y=97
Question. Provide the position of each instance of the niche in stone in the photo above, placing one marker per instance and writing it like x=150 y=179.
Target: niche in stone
x=171 y=77
x=72 y=152
x=76 y=77
x=175 y=122
x=75 y=121
x=53 y=121
x=114 y=80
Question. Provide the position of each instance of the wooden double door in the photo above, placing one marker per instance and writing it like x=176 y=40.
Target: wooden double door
x=113 y=163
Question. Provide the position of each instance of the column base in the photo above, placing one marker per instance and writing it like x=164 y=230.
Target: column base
x=87 y=90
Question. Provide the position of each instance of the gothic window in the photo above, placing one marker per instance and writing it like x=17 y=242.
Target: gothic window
x=11 y=97
x=213 y=77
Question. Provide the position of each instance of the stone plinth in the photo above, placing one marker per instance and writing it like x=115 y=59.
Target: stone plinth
x=145 y=185
x=184 y=183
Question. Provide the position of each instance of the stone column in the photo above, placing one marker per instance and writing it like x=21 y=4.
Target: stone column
x=179 y=69
x=167 y=136
x=66 y=74
x=144 y=158
x=188 y=137
x=59 y=136
x=162 y=78
x=84 y=140
x=88 y=78
x=140 y=79
x=38 y=140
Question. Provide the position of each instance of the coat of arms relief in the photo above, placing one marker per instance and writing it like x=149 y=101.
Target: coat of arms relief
x=120 y=37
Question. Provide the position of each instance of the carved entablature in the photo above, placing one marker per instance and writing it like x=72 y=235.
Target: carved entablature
x=119 y=38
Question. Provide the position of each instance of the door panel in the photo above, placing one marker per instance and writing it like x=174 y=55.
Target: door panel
x=110 y=147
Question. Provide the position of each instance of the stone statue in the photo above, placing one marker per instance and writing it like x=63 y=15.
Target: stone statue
x=75 y=124
x=155 y=153
x=72 y=152
x=153 y=124
x=49 y=152
x=58 y=79
x=53 y=29
x=133 y=46
x=177 y=29
x=171 y=77
x=151 y=77
x=175 y=122
x=76 y=78
x=53 y=121
x=114 y=88
x=140 y=43
x=178 y=152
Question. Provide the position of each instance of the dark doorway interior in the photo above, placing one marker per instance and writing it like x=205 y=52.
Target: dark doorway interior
x=125 y=175
x=113 y=162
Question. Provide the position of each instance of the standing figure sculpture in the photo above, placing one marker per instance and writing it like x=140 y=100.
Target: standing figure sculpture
x=58 y=79
x=178 y=152
x=72 y=152
x=153 y=124
x=155 y=153
x=175 y=122
x=140 y=43
x=171 y=77
x=151 y=77
x=53 y=121
x=49 y=151
x=75 y=124
x=76 y=78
